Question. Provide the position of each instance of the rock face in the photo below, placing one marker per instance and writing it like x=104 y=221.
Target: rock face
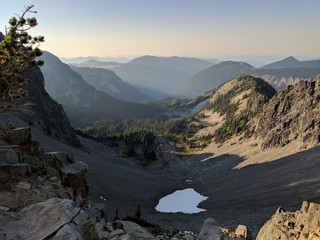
x=302 y=224
x=292 y=114
x=47 y=114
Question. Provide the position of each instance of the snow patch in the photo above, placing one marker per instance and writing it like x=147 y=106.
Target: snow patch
x=184 y=201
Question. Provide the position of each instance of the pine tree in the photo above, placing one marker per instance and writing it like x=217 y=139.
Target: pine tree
x=18 y=53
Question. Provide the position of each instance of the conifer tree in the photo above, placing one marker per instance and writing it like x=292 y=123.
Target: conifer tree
x=18 y=53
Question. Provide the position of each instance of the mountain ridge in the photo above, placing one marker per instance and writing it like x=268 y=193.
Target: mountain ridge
x=291 y=62
x=81 y=101
x=107 y=81
x=211 y=78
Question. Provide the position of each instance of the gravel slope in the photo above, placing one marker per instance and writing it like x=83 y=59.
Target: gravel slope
x=249 y=195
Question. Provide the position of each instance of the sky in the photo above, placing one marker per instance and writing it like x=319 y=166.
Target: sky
x=190 y=28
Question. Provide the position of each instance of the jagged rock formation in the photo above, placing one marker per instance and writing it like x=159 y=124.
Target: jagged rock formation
x=293 y=114
x=281 y=78
x=300 y=225
x=50 y=188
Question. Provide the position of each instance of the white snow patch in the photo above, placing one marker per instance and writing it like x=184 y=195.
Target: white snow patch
x=184 y=201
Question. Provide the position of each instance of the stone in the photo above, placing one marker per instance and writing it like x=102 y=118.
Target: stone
x=58 y=158
x=101 y=228
x=135 y=231
x=210 y=231
x=79 y=199
x=24 y=185
x=41 y=220
x=116 y=233
x=52 y=172
x=68 y=232
x=19 y=136
x=20 y=169
x=4 y=209
x=8 y=156
x=81 y=217
x=242 y=232
x=88 y=230
x=75 y=176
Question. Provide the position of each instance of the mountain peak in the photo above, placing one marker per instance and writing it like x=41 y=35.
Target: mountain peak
x=289 y=62
x=290 y=59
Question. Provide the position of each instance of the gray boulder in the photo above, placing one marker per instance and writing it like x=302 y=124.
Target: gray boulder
x=210 y=231
x=135 y=231
x=41 y=220
x=68 y=232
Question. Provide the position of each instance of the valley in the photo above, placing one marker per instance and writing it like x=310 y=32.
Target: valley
x=93 y=147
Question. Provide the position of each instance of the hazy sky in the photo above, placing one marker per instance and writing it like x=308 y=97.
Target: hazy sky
x=199 y=28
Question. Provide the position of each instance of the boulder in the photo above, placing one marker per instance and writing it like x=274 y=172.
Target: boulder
x=135 y=231
x=116 y=233
x=20 y=169
x=242 y=232
x=58 y=159
x=8 y=156
x=19 y=136
x=41 y=220
x=210 y=231
x=68 y=232
x=101 y=228
x=24 y=185
x=75 y=176
x=88 y=230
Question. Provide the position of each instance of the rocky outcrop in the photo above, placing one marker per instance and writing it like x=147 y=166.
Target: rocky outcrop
x=47 y=115
x=293 y=114
x=41 y=220
x=48 y=188
x=130 y=230
x=300 y=225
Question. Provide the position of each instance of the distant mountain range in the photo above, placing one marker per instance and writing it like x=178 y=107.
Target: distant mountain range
x=107 y=81
x=292 y=62
x=155 y=76
x=211 y=78
x=279 y=74
x=78 y=60
x=81 y=101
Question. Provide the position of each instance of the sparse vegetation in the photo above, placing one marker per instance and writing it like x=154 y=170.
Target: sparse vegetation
x=238 y=123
